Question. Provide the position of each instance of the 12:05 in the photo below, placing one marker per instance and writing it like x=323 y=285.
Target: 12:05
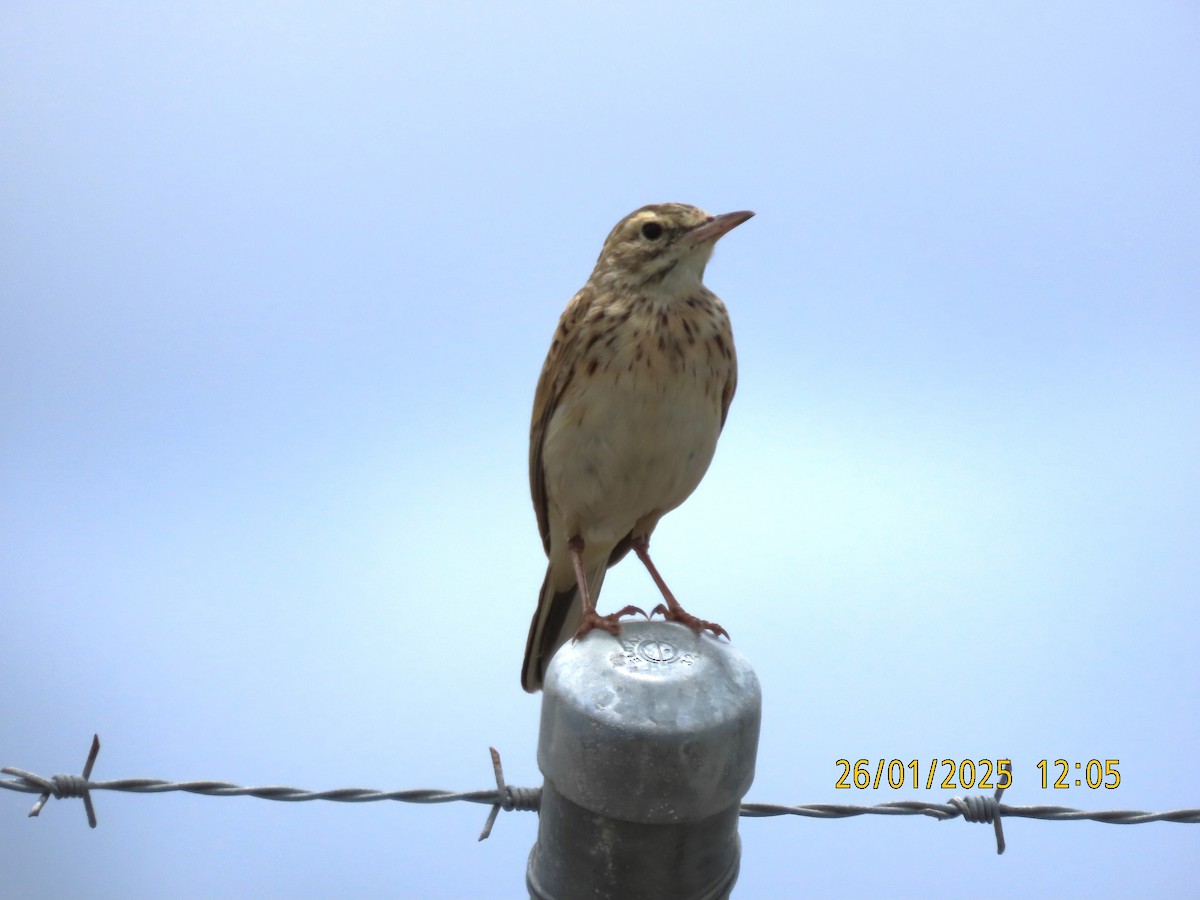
x=1096 y=774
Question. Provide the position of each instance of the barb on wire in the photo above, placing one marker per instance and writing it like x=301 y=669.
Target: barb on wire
x=508 y=797
x=58 y=786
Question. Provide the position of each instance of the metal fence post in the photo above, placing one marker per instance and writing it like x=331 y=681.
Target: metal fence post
x=647 y=745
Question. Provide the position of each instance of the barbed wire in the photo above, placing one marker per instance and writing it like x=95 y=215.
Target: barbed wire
x=981 y=809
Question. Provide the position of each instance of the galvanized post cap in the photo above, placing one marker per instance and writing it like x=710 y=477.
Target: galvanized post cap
x=670 y=714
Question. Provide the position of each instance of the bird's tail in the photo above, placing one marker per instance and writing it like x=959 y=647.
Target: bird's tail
x=557 y=618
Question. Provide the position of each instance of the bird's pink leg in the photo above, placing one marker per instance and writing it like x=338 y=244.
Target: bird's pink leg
x=672 y=611
x=591 y=619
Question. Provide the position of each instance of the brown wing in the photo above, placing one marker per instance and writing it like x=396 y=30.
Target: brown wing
x=556 y=375
x=730 y=385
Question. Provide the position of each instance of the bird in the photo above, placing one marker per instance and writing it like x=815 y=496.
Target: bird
x=630 y=402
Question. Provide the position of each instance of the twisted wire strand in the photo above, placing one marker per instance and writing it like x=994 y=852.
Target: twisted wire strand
x=951 y=810
x=981 y=809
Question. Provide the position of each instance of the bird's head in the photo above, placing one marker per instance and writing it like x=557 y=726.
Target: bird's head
x=663 y=243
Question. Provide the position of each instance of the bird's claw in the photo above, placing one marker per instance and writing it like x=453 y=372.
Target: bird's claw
x=683 y=617
x=610 y=623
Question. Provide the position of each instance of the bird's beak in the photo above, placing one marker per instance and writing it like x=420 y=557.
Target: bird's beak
x=718 y=225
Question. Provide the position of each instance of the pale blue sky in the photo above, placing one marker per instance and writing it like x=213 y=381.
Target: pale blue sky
x=278 y=279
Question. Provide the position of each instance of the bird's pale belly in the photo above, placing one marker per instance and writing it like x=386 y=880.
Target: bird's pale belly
x=616 y=456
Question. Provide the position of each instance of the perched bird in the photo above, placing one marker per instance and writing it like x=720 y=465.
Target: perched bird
x=631 y=400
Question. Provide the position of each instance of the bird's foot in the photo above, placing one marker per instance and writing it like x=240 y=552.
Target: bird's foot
x=683 y=617
x=610 y=623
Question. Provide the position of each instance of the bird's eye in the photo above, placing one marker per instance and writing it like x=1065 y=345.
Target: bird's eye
x=652 y=231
